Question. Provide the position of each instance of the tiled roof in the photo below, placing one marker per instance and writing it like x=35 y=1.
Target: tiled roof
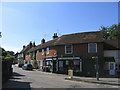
x=25 y=49
x=84 y=37
x=76 y=38
x=112 y=44
x=31 y=49
x=46 y=44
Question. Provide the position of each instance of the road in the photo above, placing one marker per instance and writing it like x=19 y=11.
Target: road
x=37 y=79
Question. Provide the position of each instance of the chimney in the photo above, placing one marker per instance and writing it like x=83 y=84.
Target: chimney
x=55 y=35
x=23 y=46
x=34 y=44
x=30 y=44
x=42 y=41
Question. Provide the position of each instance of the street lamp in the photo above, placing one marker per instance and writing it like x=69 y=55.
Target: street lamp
x=97 y=67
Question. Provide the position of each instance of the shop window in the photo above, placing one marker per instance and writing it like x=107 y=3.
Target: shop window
x=76 y=65
x=68 y=49
x=60 y=63
x=67 y=62
x=92 y=48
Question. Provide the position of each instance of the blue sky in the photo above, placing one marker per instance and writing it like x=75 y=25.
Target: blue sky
x=23 y=22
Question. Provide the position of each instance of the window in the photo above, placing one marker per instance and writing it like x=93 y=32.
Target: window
x=68 y=49
x=47 y=50
x=60 y=63
x=67 y=62
x=42 y=51
x=92 y=48
x=26 y=55
x=37 y=52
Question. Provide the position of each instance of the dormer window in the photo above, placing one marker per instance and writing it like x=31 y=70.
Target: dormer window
x=92 y=48
x=68 y=49
x=47 y=50
x=42 y=51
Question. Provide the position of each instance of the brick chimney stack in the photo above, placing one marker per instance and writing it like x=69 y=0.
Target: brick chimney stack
x=34 y=44
x=55 y=36
x=42 y=41
x=30 y=44
x=23 y=46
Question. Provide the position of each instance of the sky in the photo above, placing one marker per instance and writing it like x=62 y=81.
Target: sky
x=23 y=22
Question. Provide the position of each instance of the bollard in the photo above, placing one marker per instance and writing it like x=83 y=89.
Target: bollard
x=70 y=74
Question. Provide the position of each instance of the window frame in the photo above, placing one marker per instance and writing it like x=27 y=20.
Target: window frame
x=89 y=48
x=42 y=51
x=47 y=50
x=71 y=49
x=38 y=52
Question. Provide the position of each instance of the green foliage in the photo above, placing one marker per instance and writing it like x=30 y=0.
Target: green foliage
x=6 y=55
x=112 y=32
x=32 y=56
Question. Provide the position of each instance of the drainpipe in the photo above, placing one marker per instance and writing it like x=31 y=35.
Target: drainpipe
x=52 y=64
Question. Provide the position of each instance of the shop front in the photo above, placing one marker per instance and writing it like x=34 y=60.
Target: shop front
x=50 y=64
x=66 y=63
x=63 y=64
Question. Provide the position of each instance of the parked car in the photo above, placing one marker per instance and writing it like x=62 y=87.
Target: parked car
x=20 y=65
x=27 y=67
x=45 y=68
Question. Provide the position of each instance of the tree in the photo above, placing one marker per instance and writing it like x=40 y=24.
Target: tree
x=112 y=32
x=7 y=55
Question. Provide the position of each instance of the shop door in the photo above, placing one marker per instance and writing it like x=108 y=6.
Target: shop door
x=111 y=68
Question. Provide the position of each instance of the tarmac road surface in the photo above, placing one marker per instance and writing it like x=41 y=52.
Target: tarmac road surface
x=37 y=79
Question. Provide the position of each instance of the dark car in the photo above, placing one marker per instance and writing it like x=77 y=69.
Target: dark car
x=20 y=65
x=27 y=67
x=45 y=68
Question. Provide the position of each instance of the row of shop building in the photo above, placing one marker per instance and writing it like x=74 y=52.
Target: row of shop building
x=75 y=51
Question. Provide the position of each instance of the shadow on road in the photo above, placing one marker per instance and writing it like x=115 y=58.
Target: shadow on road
x=16 y=82
x=17 y=74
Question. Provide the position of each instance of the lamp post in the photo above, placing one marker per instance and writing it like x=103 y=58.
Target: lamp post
x=97 y=67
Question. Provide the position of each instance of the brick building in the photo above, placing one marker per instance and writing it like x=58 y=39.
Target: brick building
x=76 y=51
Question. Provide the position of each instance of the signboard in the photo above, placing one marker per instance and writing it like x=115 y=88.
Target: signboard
x=70 y=73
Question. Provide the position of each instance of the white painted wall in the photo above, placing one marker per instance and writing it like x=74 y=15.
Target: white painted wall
x=113 y=53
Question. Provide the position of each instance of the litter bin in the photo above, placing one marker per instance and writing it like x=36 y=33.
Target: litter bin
x=70 y=74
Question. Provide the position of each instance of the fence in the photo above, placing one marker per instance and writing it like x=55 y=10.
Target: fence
x=6 y=70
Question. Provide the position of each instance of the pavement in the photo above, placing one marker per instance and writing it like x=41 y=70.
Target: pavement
x=108 y=81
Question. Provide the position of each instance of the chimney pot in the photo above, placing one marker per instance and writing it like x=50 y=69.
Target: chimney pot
x=55 y=35
x=34 y=44
x=23 y=46
x=42 y=41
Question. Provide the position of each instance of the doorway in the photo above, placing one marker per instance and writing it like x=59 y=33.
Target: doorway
x=111 y=68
